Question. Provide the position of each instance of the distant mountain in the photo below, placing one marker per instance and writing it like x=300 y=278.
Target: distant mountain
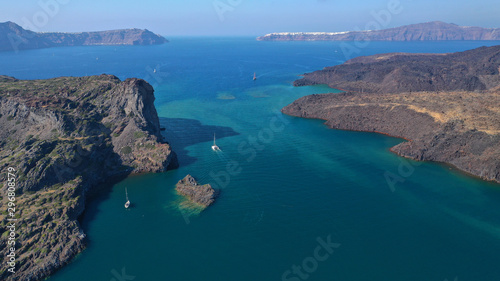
x=431 y=31
x=13 y=37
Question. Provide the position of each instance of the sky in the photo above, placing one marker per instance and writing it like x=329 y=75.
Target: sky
x=242 y=17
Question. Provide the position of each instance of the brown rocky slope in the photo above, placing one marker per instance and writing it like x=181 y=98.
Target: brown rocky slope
x=471 y=70
x=456 y=126
x=64 y=137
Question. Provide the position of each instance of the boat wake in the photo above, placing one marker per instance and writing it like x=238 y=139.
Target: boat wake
x=223 y=156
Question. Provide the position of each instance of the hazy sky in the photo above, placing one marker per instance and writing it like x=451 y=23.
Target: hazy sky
x=240 y=17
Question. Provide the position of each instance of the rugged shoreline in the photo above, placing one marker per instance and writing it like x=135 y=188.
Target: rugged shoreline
x=472 y=151
x=67 y=137
x=446 y=106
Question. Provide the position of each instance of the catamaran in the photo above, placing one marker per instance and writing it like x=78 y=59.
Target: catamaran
x=127 y=204
x=215 y=147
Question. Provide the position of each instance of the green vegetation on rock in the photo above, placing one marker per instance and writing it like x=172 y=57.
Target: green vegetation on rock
x=70 y=135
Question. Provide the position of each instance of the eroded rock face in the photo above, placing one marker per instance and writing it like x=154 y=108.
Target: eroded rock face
x=65 y=136
x=203 y=195
x=474 y=70
x=446 y=106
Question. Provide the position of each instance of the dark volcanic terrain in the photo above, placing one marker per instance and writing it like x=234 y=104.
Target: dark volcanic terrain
x=64 y=137
x=472 y=70
x=14 y=38
x=446 y=106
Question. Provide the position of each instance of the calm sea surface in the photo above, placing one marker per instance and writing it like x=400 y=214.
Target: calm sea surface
x=289 y=185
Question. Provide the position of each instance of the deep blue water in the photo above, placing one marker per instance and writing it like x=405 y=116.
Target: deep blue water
x=287 y=183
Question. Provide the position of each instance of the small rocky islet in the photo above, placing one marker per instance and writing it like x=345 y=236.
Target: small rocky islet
x=202 y=195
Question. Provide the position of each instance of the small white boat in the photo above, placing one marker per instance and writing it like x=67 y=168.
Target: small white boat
x=215 y=147
x=127 y=204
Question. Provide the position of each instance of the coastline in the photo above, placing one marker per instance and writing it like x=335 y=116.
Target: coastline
x=421 y=142
x=445 y=105
x=391 y=149
x=69 y=139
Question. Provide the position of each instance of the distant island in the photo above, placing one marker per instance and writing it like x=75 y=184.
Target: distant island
x=446 y=105
x=430 y=31
x=13 y=38
x=65 y=137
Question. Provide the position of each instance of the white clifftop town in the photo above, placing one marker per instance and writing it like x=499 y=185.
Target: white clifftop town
x=430 y=31
x=306 y=33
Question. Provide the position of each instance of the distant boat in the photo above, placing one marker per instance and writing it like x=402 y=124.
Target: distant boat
x=215 y=147
x=127 y=204
x=82 y=235
x=254 y=76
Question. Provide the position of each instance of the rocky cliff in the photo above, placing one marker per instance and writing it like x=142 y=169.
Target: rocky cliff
x=431 y=31
x=13 y=38
x=64 y=137
x=456 y=122
x=472 y=70
x=203 y=195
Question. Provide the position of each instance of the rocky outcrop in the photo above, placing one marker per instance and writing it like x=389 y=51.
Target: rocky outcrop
x=14 y=38
x=430 y=31
x=64 y=137
x=203 y=195
x=472 y=70
x=450 y=127
x=429 y=100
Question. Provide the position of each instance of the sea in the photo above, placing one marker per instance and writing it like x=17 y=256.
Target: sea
x=298 y=201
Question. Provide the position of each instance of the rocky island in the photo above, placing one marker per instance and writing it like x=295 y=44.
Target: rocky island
x=62 y=138
x=430 y=31
x=447 y=106
x=13 y=38
x=203 y=195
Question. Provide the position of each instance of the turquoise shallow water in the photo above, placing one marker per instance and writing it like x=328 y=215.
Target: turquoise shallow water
x=286 y=182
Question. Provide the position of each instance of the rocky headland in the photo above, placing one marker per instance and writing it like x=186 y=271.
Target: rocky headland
x=430 y=31
x=473 y=70
x=13 y=38
x=202 y=195
x=65 y=137
x=447 y=107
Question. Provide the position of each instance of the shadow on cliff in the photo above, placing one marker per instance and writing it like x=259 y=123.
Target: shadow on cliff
x=182 y=133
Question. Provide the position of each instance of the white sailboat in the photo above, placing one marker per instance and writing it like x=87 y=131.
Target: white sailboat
x=127 y=204
x=254 y=76
x=215 y=147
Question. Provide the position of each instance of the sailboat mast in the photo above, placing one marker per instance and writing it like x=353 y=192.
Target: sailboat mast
x=126 y=193
x=214 y=139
